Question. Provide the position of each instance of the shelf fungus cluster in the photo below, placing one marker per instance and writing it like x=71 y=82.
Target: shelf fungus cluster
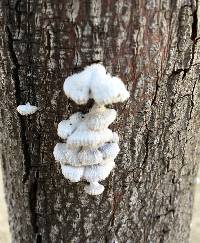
x=90 y=147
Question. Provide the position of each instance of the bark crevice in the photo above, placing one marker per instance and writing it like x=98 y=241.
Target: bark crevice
x=16 y=79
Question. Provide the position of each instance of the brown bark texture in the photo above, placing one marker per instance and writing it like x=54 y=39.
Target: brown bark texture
x=153 y=46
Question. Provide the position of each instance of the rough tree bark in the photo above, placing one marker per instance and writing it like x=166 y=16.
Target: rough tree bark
x=153 y=46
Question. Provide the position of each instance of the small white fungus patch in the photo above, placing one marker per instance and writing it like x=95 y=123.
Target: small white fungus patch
x=27 y=109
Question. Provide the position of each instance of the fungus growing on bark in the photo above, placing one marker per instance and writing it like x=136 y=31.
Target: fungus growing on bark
x=95 y=83
x=66 y=127
x=90 y=146
x=27 y=109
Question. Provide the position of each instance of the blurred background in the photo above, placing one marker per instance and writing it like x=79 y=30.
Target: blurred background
x=195 y=226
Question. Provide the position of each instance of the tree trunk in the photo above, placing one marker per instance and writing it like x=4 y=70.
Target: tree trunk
x=153 y=46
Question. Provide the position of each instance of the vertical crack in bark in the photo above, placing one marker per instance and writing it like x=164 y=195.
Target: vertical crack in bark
x=194 y=34
x=194 y=25
x=15 y=69
x=33 y=205
x=15 y=76
x=156 y=91
x=194 y=39
x=18 y=15
x=33 y=201
x=146 y=146
x=48 y=46
x=192 y=100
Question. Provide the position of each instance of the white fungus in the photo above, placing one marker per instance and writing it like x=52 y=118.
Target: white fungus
x=71 y=156
x=90 y=146
x=72 y=173
x=66 y=127
x=90 y=156
x=27 y=109
x=115 y=138
x=109 y=150
x=93 y=82
x=100 y=117
x=89 y=138
x=94 y=188
x=109 y=90
x=59 y=152
x=98 y=172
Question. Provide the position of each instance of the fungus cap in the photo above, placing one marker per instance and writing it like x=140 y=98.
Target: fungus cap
x=90 y=156
x=74 y=174
x=59 y=152
x=93 y=82
x=88 y=138
x=109 y=90
x=100 y=117
x=94 y=188
x=66 y=127
x=77 y=87
x=98 y=172
x=109 y=150
x=27 y=109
